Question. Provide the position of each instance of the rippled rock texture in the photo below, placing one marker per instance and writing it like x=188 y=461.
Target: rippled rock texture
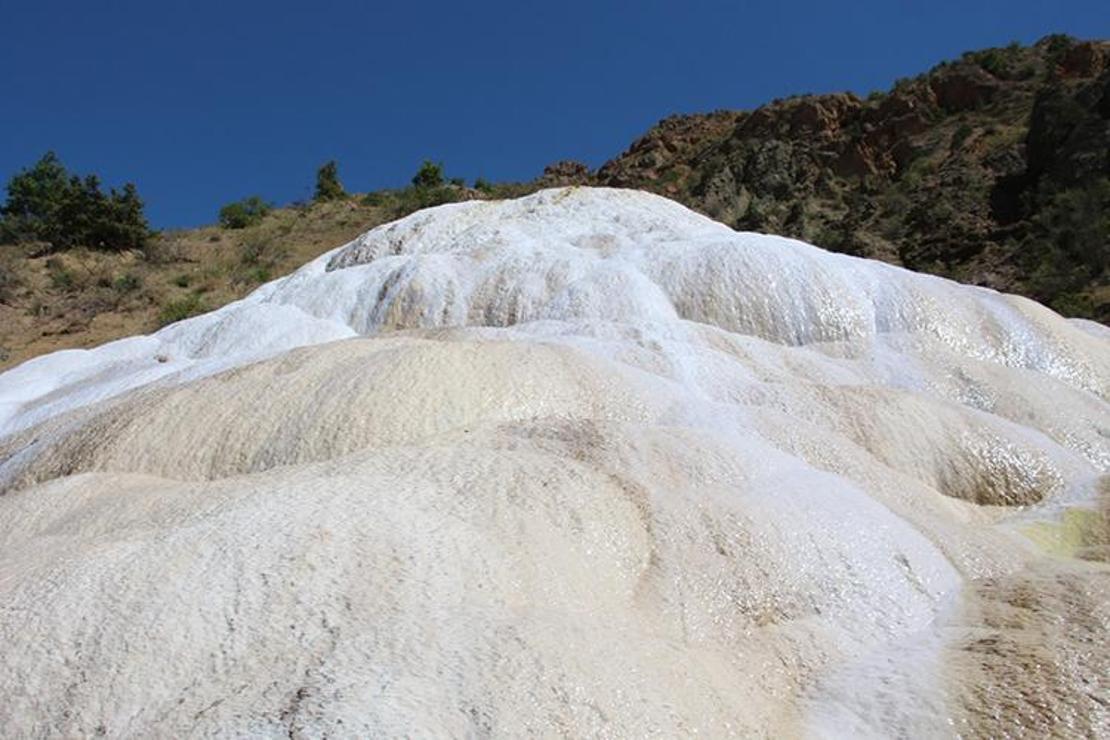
x=583 y=463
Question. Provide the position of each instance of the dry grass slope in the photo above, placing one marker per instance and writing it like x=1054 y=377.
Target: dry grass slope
x=83 y=298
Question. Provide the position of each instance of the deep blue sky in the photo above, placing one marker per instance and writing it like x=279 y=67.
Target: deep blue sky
x=203 y=102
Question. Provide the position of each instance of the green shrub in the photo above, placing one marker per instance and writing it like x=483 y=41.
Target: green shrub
x=1057 y=45
x=505 y=190
x=1001 y=63
x=1077 y=221
x=430 y=175
x=182 y=308
x=46 y=203
x=960 y=135
x=1072 y=304
x=127 y=283
x=414 y=199
x=252 y=252
x=244 y=213
x=328 y=186
x=259 y=275
x=993 y=61
x=1068 y=246
x=903 y=84
x=61 y=277
x=483 y=185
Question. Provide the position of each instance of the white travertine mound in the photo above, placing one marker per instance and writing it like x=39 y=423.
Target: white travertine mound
x=582 y=463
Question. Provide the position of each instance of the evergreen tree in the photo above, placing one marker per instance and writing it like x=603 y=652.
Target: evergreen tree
x=36 y=198
x=430 y=175
x=46 y=203
x=328 y=186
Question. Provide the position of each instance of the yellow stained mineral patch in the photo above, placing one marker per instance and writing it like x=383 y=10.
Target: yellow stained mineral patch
x=584 y=463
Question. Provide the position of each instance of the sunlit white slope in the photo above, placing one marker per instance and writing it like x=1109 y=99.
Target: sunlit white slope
x=585 y=463
x=576 y=255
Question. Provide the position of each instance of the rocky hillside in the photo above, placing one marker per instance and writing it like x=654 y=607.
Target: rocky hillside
x=993 y=169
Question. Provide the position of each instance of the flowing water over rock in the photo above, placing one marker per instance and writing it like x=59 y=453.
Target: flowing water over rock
x=583 y=463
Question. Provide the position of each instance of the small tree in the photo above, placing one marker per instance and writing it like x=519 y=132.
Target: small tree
x=328 y=186
x=243 y=213
x=430 y=175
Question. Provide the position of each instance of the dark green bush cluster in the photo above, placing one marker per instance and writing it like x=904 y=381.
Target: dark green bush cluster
x=959 y=136
x=413 y=199
x=1003 y=63
x=1070 y=243
x=376 y=198
x=399 y=203
x=429 y=188
x=244 y=213
x=127 y=283
x=49 y=204
x=1057 y=45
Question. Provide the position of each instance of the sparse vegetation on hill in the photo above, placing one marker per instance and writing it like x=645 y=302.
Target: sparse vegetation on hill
x=82 y=297
x=86 y=296
x=992 y=169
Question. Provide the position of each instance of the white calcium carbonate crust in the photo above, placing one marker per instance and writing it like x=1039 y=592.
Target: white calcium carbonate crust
x=581 y=463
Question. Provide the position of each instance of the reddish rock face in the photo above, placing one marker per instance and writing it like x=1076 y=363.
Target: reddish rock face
x=863 y=160
x=1087 y=59
x=672 y=140
x=812 y=116
x=942 y=173
x=962 y=88
x=567 y=168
